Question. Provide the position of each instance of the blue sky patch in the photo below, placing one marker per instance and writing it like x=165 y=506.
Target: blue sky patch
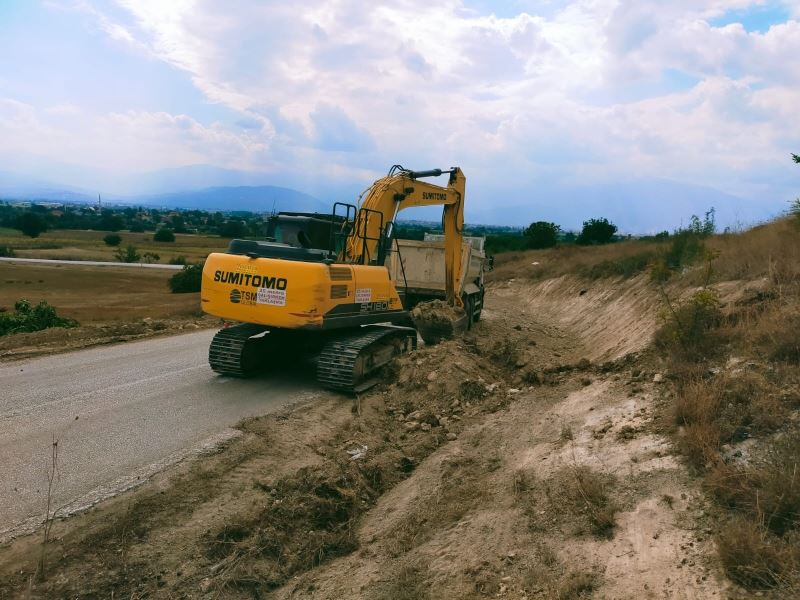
x=755 y=18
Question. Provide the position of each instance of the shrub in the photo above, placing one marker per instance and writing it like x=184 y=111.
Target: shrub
x=164 y=234
x=137 y=227
x=688 y=327
x=596 y=231
x=586 y=492
x=177 y=260
x=151 y=257
x=542 y=234
x=112 y=239
x=187 y=280
x=26 y=318
x=751 y=558
x=31 y=224
x=129 y=254
x=7 y=252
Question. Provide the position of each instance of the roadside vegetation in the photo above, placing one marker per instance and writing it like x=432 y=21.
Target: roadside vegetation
x=26 y=318
x=187 y=280
x=735 y=369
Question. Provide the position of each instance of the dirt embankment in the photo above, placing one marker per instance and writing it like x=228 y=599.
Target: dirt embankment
x=521 y=461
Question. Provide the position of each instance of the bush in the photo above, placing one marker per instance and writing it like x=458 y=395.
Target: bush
x=112 y=239
x=26 y=318
x=137 y=227
x=151 y=257
x=177 y=260
x=596 y=231
x=164 y=235
x=495 y=244
x=687 y=331
x=188 y=280
x=7 y=252
x=128 y=255
x=31 y=224
x=752 y=558
x=542 y=234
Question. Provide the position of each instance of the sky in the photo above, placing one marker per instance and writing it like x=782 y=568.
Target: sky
x=529 y=97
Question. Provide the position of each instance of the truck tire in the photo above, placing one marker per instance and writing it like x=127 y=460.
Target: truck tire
x=477 y=314
x=469 y=308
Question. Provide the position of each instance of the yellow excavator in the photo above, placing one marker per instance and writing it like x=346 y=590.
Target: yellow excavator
x=317 y=288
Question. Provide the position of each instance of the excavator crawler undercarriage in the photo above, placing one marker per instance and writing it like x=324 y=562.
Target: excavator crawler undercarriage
x=347 y=362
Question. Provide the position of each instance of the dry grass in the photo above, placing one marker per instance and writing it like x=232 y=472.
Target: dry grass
x=577 y=498
x=408 y=583
x=458 y=492
x=621 y=259
x=725 y=409
x=720 y=402
x=68 y=244
x=505 y=352
x=756 y=560
x=771 y=250
x=96 y=294
x=577 y=585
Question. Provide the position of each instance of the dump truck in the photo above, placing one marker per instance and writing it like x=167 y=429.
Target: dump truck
x=417 y=268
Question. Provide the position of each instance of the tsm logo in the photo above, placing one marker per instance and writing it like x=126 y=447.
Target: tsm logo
x=236 y=296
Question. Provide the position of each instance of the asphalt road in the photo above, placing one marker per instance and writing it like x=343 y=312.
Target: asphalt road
x=120 y=413
x=90 y=263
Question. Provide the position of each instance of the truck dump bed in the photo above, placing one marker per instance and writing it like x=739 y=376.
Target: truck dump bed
x=417 y=268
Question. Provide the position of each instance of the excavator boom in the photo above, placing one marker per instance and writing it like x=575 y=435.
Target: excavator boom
x=403 y=189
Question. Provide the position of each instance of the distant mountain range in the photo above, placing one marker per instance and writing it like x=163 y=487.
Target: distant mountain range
x=262 y=198
x=636 y=206
x=256 y=198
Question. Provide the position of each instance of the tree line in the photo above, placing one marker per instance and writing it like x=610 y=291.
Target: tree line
x=36 y=219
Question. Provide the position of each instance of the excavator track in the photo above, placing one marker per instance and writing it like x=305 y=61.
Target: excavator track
x=346 y=363
x=233 y=353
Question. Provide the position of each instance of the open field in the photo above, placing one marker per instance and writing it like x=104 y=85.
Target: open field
x=111 y=304
x=68 y=244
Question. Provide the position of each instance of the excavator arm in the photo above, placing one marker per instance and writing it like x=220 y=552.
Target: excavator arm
x=403 y=189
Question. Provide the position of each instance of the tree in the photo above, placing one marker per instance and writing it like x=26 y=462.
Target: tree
x=128 y=255
x=164 y=234
x=232 y=229
x=111 y=222
x=796 y=158
x=112 y=239
x=178 y=224
x=187 y=280
x=31 y=224
x=542 y=234
x=703 y=228
x=596 y=231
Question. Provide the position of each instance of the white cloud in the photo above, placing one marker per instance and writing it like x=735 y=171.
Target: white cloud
x=123 y=142
x=582 y=93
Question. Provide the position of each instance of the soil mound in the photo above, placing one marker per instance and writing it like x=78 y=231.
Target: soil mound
x=436 y=321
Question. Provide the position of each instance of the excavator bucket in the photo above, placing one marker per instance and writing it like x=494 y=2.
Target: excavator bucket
x=436 y=321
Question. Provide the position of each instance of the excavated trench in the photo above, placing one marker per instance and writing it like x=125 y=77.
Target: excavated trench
x=519 y=461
